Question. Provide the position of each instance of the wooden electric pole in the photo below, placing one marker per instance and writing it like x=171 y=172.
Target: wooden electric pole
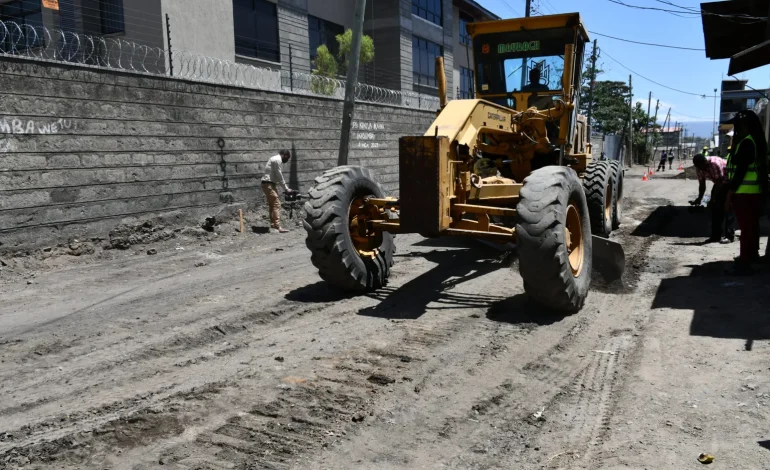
x=630 y=122
x=528 y=8
x=647 y=130
x=350 y=84
x=655 y=123
x=591 y=86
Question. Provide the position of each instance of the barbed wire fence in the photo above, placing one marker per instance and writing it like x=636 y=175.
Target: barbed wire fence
x=44 y=44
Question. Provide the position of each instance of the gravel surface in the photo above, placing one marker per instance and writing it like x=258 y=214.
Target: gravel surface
x=227 y=351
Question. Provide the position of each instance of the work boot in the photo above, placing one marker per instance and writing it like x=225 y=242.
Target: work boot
x=726 y=241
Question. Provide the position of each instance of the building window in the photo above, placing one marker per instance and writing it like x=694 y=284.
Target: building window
x=466 y=84
x=465 y=38
x=428 y=9
x=111 y=12
x=24 y=13
x=424 y=55
x=323 y=33
x=256 y=29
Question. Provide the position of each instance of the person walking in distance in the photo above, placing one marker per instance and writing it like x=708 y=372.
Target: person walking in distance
x=274 y=177
x=747 y=190
x=714 y=169
x=662 y=164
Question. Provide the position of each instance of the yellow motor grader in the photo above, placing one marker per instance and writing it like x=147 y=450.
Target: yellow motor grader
x=512 y=165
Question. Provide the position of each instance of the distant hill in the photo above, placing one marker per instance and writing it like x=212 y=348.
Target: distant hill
x=699 y=128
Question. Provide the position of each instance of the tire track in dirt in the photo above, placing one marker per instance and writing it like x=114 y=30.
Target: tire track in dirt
x=344 y=382
x=201 y=342
x=504 y=412
x=584 y=409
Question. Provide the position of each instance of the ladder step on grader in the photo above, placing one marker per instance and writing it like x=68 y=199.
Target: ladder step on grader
x=511 y=166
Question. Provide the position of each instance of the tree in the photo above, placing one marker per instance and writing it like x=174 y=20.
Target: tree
x=345 y=40
x=324 y=74
x=642 y=122
x=589 y=76
x=326 y=67
x=610 y=107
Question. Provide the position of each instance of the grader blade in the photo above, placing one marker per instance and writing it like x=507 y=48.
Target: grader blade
x=609 y=258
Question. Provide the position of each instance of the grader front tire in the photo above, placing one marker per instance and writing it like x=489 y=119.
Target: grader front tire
x=601 y=194
x=341 y=260
x=554 y=239
x=617 y=208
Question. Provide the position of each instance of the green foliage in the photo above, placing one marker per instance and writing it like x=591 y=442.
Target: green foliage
x=642 y=122
x=609 y=112
x=324 y=73
x=367 y=48
x=610 y=107
x=588 y=77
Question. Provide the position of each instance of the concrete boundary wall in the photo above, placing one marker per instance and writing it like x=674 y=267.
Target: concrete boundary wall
x=83 y=150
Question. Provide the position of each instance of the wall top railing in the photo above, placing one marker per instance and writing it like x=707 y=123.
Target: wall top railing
x=41 y=43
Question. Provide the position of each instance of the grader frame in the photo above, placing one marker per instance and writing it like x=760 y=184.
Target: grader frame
x=512 y=165
x=438 y=186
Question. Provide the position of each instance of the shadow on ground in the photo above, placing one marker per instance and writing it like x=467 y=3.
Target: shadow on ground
x=319 y=292
x=765 y=444
x=452 y=268
x=521 y=310
x=724 y=306
x=676 y=222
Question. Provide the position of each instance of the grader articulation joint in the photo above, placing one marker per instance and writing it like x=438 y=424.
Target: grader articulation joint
x=512 y=165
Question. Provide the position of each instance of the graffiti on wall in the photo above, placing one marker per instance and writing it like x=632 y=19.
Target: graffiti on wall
x=365 y=133
x=30 y=126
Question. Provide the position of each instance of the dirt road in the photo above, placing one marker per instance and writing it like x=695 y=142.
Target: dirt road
x=228 y=352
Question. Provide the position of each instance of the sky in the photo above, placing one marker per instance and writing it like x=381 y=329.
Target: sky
x=681 y=69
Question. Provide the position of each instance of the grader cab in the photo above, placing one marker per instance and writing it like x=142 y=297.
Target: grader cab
x=513 y=165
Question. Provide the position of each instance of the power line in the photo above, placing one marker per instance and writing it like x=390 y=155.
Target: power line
x=677 y=113
x=550 y=7
x=692 y=12
x=698 y=11
x=702 y=95
x=505 y=2
x=647 y=43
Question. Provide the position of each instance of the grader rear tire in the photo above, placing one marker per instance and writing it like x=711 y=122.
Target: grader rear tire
x=340 y=262
x=554 y=239
x=599 y=184
x=617 y=208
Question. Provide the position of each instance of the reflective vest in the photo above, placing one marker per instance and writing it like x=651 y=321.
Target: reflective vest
x=750 y=183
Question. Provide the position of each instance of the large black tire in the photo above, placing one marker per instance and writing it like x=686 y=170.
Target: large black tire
x=328 y=235
x=548 y=195
x=599 y=184
x=617 y=207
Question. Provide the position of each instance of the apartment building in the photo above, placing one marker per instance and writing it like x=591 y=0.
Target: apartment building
x=736 y=96
x=282 y=34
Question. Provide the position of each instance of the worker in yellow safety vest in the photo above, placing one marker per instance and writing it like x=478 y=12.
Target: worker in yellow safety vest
x=747 y=186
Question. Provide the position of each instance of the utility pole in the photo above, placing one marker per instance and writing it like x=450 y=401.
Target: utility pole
x=714 y=127
x=630 y=121
x=591 y=86
x=666 y=125
x=684 y=138
x=647 y=129
x=527 y=13
x=350 y=84
x=654 y=133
